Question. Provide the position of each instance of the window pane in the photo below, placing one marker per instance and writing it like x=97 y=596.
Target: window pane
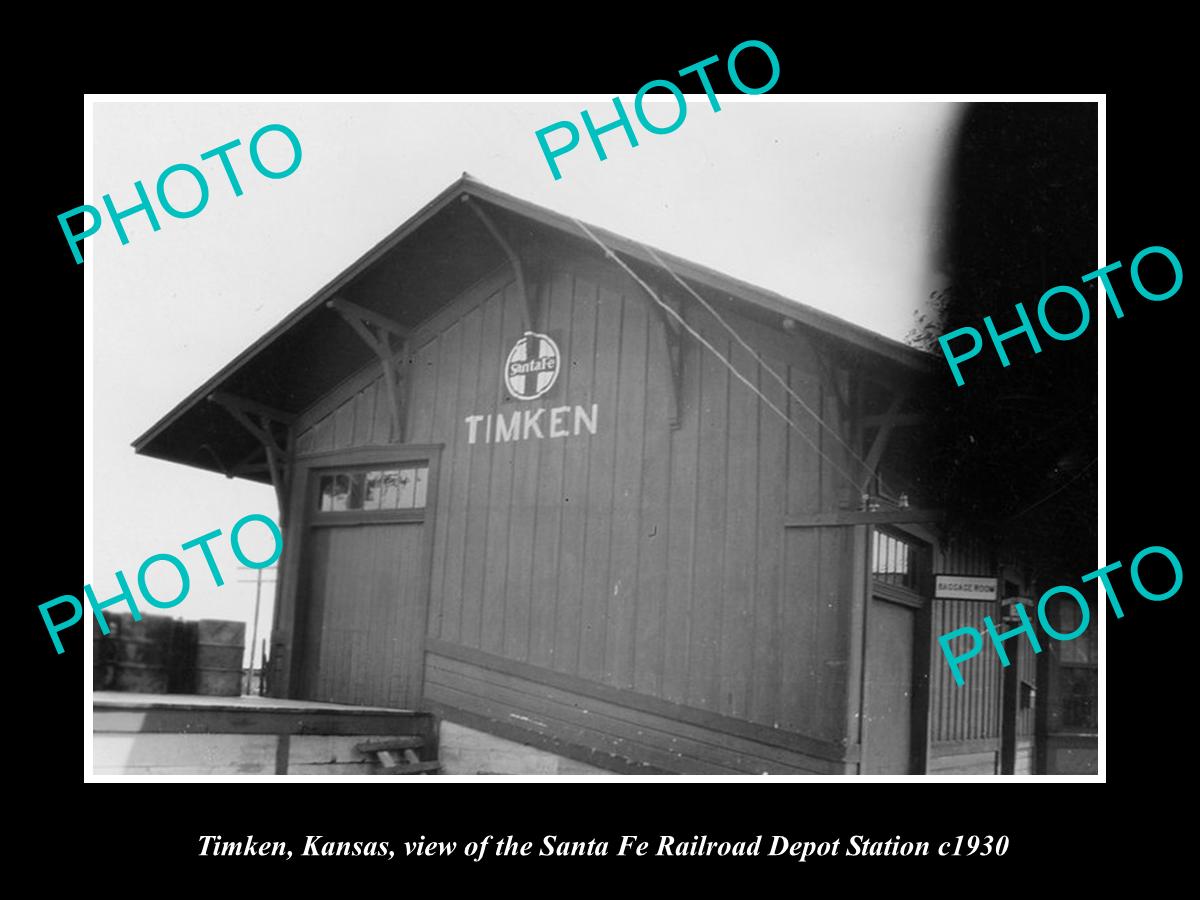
x=407 y=489
x=326 y=501
x=372 y=490
x=1079 y=690
x=341 y=490
x=355 y=500
x=391 y=489
x=422 y=480
x=1083 y=648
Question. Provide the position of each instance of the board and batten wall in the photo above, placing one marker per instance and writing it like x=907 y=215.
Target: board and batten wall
x=964 y=729
x=634 y=591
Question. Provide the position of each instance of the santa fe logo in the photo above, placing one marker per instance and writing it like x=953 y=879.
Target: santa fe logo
x=532 y=366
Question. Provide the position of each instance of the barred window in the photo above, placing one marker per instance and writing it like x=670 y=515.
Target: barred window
x=376 y=490
x=895 y=561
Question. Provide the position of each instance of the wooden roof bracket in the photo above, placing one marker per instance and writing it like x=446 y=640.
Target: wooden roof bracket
x=830 y=375
x=879 y=444
x=259 y=420
x=225 y=470
x=528 y=307
x=377 y=330
x=250 y=464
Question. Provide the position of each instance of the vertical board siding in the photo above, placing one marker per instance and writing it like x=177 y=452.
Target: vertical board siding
x=970 y=711
x=367 y=625
x=581 y=355
x=558 y=297
x=644 y=557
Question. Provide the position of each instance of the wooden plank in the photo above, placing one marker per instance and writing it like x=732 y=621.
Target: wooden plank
x=417 y=768
x=804 y=472
x=834 y=485
x=966 y=764
x=799 y=635
x=381 y=419
x=653 y=518
x=577 y=752
x=323 y=435
x=522 y=523
x=343 y=425
x=326 y=769
x=364 y=417
x=959 y=748
x=767 y=646
x=451 y=522
x=681 y=532
x=438 y=391
x=305 y=441
x=599 y=499
x=546 y=712
x=239 y=720
x=834 y=630
x=628 y=421
x=576 y=464
x=407 y=655
x=703 y=657
x=630 y=700
x=557 y=305
x=404 y=742
x=538 y=705
x=853 y=517
x=938 y=674
x=858 y=597
x=545 y=725
x=480 y=474
x=420 y=387
x=240 y=752
x=548 y=709
x=332 y=748
x=496 y=716
x=736 y=648
x=491 y=541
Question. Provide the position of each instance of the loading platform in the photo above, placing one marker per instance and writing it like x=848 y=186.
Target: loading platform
x=188 y=734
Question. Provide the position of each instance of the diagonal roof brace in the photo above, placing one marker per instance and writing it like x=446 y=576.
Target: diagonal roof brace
x=362 y=320
x=258 y=419
x=527 y=307
x=380 y=321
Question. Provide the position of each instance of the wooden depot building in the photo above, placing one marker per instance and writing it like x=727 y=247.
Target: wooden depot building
x=571 y=494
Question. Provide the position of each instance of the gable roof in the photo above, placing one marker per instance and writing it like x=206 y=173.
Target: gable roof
x=412 y=262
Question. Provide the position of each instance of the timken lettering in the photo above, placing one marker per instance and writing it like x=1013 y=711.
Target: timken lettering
x=523 y=425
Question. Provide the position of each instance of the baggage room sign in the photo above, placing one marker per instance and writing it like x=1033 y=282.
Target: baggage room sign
x=965 y=587
x=530 y=371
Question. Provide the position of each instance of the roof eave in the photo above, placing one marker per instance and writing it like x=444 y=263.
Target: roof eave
x=909 y=357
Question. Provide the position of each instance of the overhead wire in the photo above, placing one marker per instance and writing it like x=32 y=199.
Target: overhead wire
x=702 y=340
x=761 y=361
x=1054 y=493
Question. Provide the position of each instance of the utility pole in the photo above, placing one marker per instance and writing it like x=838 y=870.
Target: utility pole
x=258 y=583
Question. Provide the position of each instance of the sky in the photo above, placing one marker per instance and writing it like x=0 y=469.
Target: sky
x=834 y=205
